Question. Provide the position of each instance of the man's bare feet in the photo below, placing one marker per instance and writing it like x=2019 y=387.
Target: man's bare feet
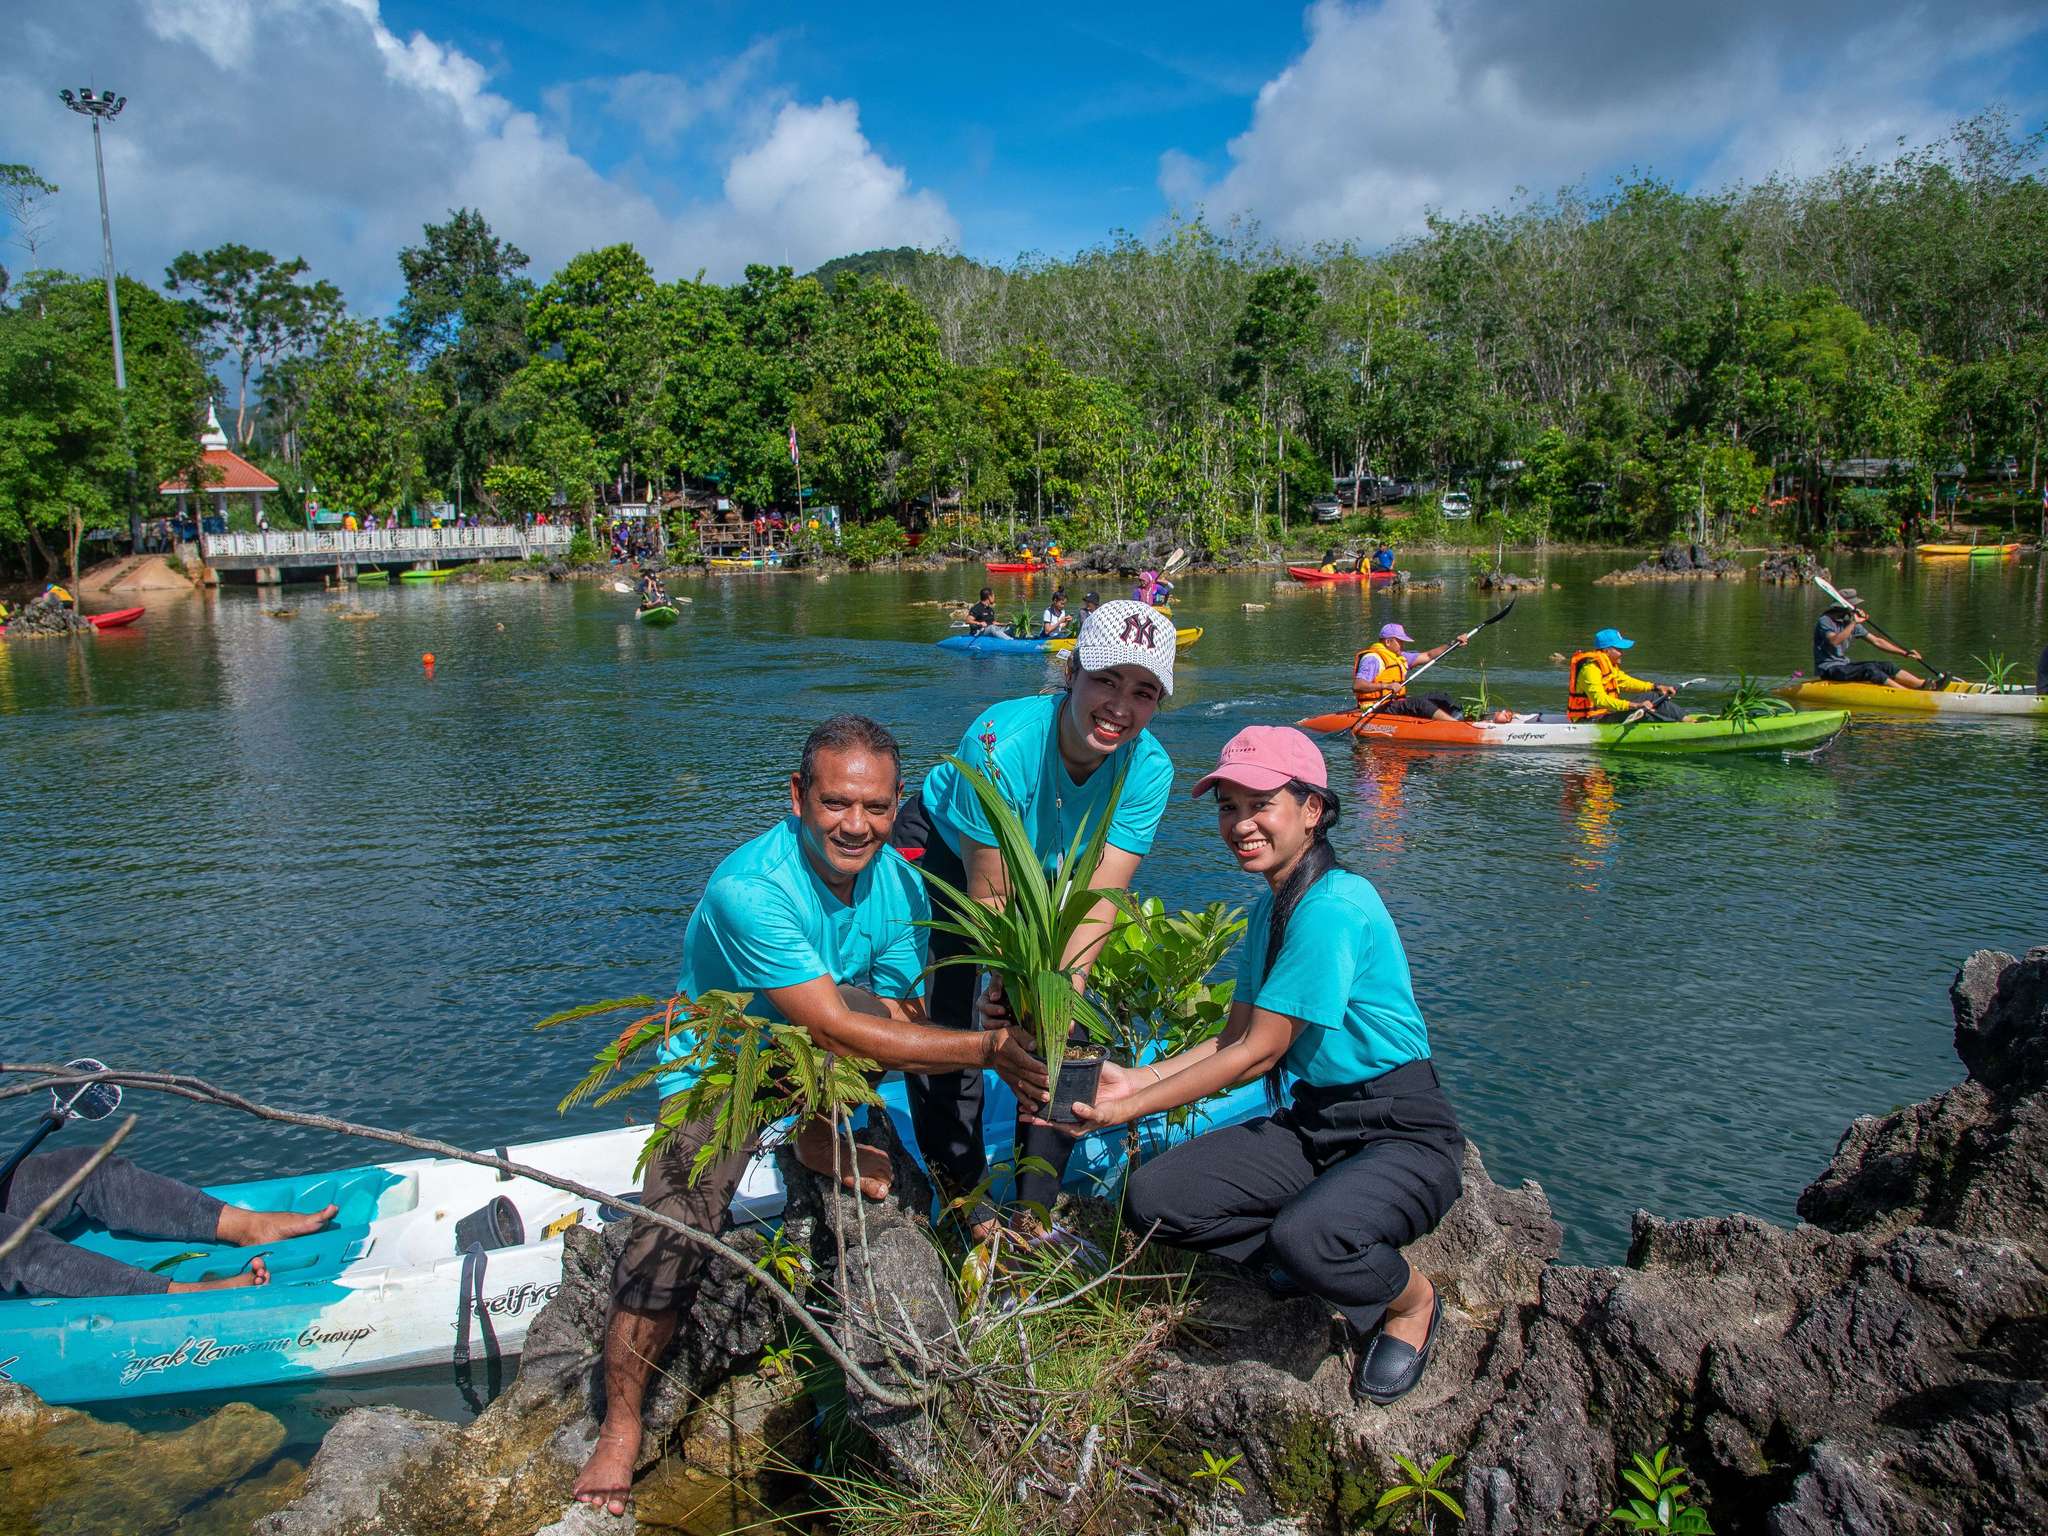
x=814 y=1150
x=257 y=1273
x=607 y=1477
x=245 y=1229
x=1408 y=1316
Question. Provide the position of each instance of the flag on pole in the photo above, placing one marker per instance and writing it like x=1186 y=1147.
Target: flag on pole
x=793 y=457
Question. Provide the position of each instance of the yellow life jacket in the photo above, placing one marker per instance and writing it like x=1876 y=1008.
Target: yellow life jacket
x=1393 y=676
x=1579 y=706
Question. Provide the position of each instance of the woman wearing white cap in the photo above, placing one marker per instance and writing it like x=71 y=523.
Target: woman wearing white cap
x=1364 y=1158
x=1055 y=758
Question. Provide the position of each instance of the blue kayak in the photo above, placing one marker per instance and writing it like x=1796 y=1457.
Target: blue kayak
x=386 y=1287
x=995 y=645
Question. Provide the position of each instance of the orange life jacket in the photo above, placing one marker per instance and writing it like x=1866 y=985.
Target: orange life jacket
x=1579 y=706
x=1393 y=675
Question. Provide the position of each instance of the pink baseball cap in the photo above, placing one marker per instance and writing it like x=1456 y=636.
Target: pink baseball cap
x=1261 y=757
x=1395 y=632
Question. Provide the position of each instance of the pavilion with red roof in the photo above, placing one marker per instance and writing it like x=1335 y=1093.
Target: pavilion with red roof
x=232 y=475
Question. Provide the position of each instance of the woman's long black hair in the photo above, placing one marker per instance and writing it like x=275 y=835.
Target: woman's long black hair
x=1316 y=860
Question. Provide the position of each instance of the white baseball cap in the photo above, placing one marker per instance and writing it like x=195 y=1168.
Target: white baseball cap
x=1126 y=633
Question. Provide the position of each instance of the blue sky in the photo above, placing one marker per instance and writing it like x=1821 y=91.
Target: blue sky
x=715 y=134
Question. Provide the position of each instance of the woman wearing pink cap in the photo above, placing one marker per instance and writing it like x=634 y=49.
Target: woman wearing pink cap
x=1364 y=1157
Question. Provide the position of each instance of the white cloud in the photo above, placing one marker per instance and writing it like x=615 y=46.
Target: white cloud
x=308 y=127
x=1400 y=107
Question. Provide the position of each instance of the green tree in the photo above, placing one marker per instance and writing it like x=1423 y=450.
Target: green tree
x=70 y=444
x=365 y=415
x=463 y=320
x=252 y=309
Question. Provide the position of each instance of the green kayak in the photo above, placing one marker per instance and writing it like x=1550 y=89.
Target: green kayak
x=659 y=614
x=440 y=575
x=372 y=578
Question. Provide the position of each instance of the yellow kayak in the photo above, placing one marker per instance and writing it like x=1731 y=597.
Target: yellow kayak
x=1956 y=699
x=1981 y=551
x=1183 y=638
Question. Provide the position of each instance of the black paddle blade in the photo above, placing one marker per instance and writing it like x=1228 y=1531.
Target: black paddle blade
x=91 y=1101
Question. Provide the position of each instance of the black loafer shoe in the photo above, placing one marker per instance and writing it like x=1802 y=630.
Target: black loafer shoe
x=1282 y=1284
x=1388 y=1369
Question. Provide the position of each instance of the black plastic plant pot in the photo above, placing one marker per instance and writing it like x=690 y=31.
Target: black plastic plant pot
x=1079 y=1077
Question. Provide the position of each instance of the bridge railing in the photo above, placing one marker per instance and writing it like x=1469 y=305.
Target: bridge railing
x=389 y=543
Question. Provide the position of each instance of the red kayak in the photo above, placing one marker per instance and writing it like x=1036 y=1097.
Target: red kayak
x=1310 y=573
x=115 y=619
x=1012 y=567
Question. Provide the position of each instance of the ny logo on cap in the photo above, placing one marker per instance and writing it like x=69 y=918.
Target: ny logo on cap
x=1140 y=629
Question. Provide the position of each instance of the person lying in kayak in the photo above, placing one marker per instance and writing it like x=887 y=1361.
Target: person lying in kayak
x=122 y=1197
x=981 y=618
x=1379 y=676
x=1597 y=681
x=1332 y=565
x=817 y=918
x=1055 y=759
x=1365 y=1156
x=1833 y=633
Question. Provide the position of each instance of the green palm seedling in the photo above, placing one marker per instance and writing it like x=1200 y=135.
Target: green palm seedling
x=1024 y=939
x=745 y=1072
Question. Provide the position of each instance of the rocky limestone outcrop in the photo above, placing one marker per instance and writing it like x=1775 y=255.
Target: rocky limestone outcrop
x=44 y=618
x=388 y=1472
x=1883 y=1369
x=65 y=1473
x=1675 y=562
x=1507 y=581
x=1787 y=567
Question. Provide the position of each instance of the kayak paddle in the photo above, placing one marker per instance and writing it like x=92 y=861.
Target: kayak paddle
x=1820 y=579
x=88 y=1101
x=1352 y=719
x=620 y=586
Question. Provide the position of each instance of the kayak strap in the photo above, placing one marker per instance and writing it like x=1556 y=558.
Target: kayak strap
x=470 y=1300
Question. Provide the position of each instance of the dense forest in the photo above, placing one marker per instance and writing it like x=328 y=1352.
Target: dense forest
x=1631 y=364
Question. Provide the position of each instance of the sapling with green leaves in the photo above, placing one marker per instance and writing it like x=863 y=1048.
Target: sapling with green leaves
x=1029 y=937
x=746 y=1072
x=1751 y=701
x=1662 y=1502
x=1998 y=672
x=1419 y=1499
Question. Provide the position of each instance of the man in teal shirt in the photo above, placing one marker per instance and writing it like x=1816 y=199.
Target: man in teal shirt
x=816 y=917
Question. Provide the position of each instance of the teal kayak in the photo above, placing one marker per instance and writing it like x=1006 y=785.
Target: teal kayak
x=992 y=644
x=381 y=1289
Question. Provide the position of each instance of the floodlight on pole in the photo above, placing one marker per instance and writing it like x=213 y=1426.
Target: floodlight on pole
x=104 y=107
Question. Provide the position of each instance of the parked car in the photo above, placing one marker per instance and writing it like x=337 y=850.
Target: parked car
x=2010 y=469
x=1456 y=505
x=1326 y=509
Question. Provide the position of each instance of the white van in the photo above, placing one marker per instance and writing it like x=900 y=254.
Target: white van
x=1456 y=505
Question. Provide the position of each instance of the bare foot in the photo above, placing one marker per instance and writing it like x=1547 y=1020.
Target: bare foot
x=245 y=1229
x=258 y=1273
x=1411 y=1323
x=607 y=1477
x=814 y=1150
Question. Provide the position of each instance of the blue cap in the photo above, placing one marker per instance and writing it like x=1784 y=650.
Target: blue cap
x=1612 y=638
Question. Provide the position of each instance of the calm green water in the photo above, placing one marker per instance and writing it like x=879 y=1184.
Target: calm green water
x=277 y=855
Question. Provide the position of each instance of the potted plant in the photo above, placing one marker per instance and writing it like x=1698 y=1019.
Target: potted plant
x=1024 y=939
x=1152 y=984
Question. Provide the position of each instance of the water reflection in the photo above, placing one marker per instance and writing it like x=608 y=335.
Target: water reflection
x=1377 y=797
x=1588 y=800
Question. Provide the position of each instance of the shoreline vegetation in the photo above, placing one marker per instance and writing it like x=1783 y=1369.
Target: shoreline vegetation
x=1850 y=357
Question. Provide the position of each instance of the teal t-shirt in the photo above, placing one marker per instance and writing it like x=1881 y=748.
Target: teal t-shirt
x=767 y=920
x=1342 y=971
x=1022 y=735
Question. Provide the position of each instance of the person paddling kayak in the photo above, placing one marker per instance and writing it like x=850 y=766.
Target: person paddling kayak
x=1597 y=681
x=818 y=918
x=1364 y=1158
x=1055 y=759
x=122 y=1197
x=1380 y=673
x=1833 y=633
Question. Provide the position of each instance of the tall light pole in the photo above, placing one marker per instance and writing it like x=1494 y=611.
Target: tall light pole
x=104 y=108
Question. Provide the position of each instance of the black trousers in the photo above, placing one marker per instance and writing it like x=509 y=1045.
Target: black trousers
x=1331 y=1188
x=945 y=1107
x=1422 y=706
x=1662 y=709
